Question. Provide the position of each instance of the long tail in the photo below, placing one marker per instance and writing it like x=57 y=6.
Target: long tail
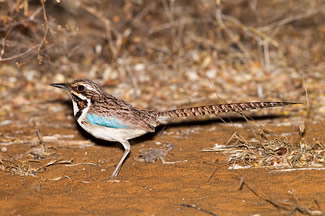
x=218 y=108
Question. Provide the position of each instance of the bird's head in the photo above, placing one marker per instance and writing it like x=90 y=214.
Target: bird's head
x=81 y=90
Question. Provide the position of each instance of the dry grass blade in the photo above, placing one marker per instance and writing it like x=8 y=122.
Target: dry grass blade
x=20 y=54
x=220 y=18
x=198 y=208
x=78 y=164
x=39 y=57
x=54 y=162
x=286 y=208
x=27 y=167
x=110 y=30
x=276 y=153
x=2 y=167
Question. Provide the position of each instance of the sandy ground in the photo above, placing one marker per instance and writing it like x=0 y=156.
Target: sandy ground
x=200 y=183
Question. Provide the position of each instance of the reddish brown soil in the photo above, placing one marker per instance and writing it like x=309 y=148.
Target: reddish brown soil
x=158 y=189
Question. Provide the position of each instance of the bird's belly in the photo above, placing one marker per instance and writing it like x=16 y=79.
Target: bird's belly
x=111 y=134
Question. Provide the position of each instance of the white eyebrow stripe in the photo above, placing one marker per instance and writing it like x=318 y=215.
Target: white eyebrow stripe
x=89 y=87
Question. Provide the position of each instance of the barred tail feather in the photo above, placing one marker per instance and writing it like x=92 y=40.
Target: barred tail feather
x=218 y=108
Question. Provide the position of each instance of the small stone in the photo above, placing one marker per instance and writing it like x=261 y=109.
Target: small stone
x=4 y=149
x=59 y=78
x=139 y=67
x=5 y=122
x=212 y=73
x=19 y=100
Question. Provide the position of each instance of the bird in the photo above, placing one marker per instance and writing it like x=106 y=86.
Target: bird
x=109 y=118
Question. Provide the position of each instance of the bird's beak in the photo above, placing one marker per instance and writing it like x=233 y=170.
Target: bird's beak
x=65 y=86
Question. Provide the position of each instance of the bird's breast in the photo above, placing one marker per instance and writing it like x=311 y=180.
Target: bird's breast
x=110 y=133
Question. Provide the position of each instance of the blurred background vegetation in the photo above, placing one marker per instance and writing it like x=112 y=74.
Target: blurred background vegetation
x=179 y=51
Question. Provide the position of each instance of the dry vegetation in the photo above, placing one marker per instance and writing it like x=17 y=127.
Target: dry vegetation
x=240 y=50
x=165 y=54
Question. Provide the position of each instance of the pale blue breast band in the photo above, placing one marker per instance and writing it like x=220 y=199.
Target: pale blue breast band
x=103 y=121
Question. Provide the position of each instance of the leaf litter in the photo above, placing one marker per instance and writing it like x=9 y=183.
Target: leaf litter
x=28 y=167
x=274 y=153
x=180 y=56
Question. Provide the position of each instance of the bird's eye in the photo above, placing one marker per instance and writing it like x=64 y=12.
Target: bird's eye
x=81 y=88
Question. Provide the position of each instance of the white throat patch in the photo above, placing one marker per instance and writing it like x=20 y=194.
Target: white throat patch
x=76 y=110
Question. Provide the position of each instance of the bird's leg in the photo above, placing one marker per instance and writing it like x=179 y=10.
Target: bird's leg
x=127 y=149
